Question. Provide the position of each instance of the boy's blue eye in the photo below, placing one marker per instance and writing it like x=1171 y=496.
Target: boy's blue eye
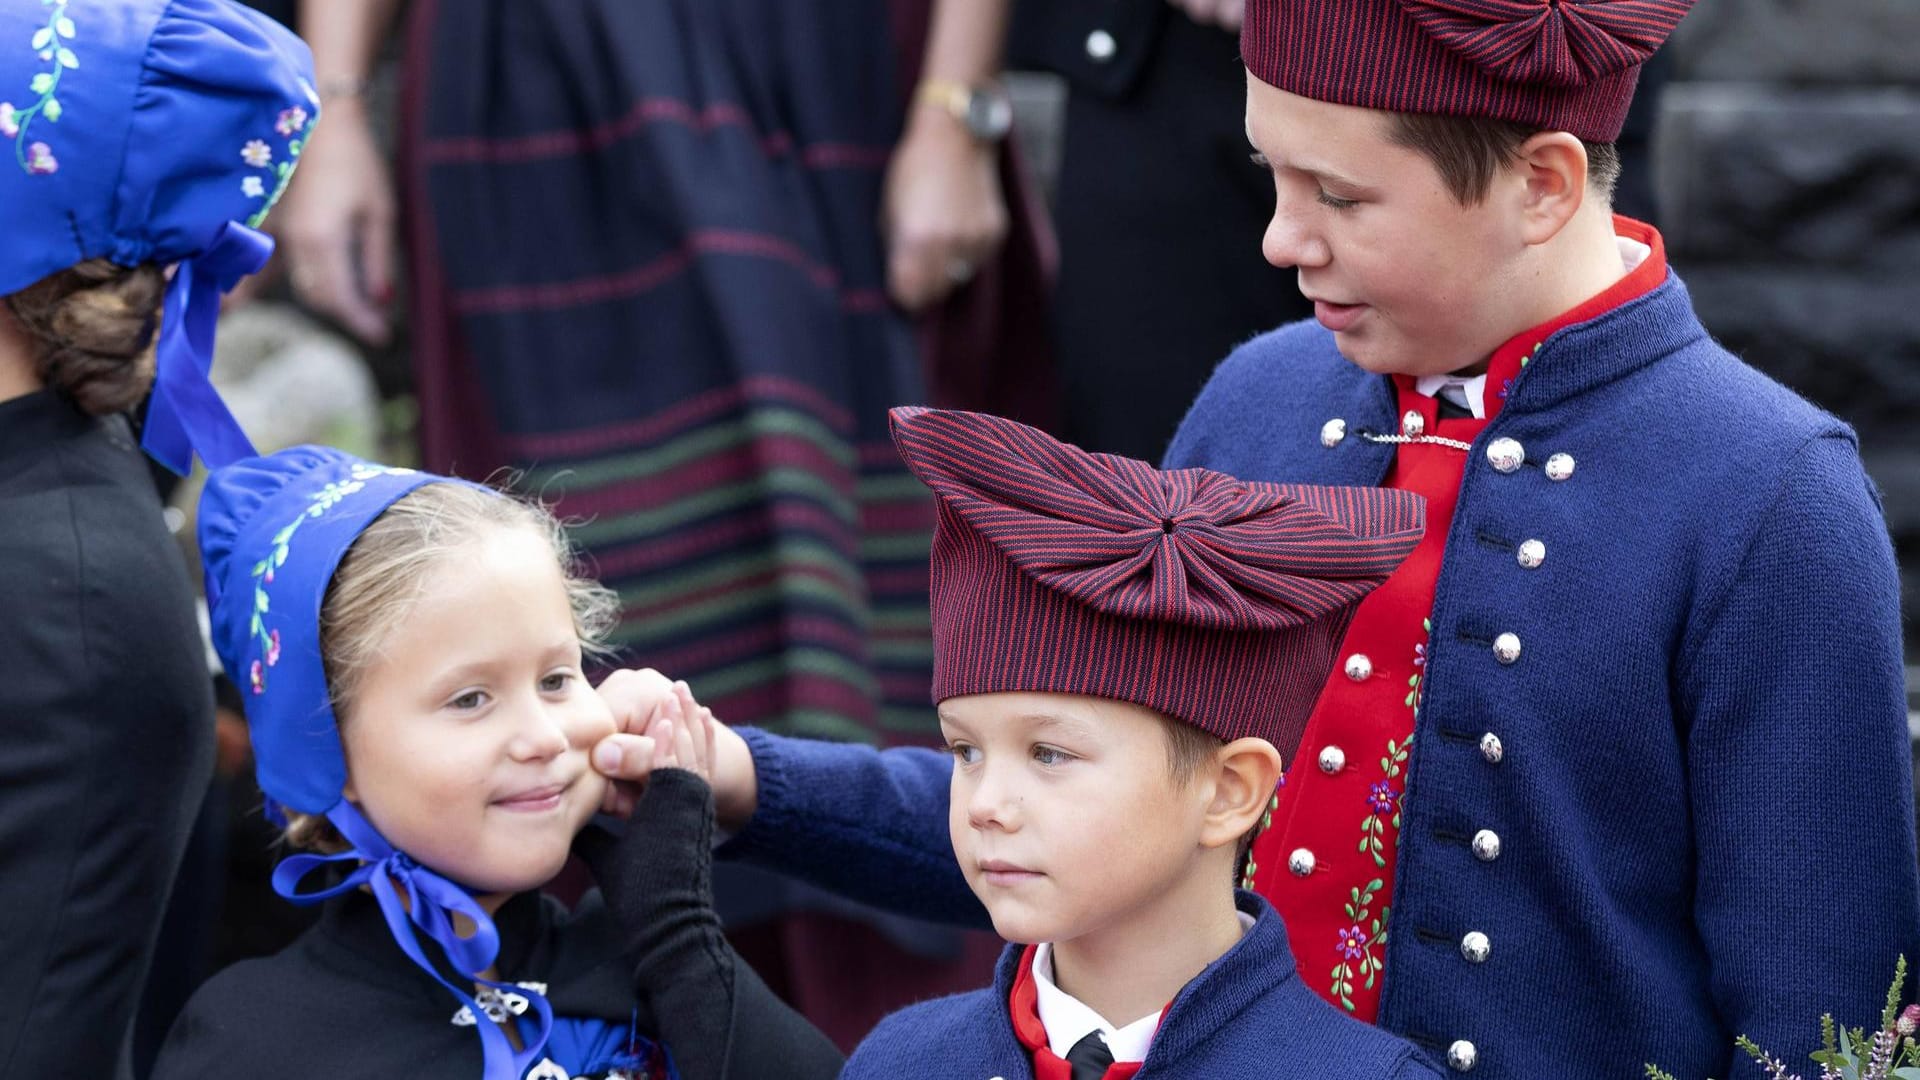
x=472 y=699
x=1047 y=755
x=556 y=682
x=961 y=752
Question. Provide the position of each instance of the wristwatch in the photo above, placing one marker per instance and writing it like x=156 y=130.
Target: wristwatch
x=985 y=111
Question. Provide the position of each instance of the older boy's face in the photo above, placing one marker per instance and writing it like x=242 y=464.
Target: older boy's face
x=1409 y=281
x=1064 y=814
x=468 y=743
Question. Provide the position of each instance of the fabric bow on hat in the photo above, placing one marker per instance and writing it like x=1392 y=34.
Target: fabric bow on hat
x=1563 y=43
x=1190 y=546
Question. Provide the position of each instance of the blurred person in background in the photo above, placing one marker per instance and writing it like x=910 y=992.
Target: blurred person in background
x=660 y=257
x=191 y=111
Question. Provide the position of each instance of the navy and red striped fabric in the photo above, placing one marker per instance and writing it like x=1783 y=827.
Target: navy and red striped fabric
x=648 y=278
x=1200 y=596
x=1562 y=65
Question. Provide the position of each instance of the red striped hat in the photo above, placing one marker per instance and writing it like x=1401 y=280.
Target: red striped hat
x=1206 y=598
x=1562 y=65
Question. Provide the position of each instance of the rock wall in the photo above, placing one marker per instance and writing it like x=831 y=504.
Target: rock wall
x=1787 y=163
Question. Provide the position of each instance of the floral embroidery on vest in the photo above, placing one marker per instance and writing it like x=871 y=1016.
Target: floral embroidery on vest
x=323 y=500
x=50 y=41
x=1359 y=945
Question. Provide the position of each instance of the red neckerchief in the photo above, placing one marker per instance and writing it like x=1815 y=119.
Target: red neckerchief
x=1024 y=1006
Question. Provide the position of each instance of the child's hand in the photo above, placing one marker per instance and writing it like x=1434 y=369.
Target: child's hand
x=683 y=734
x=639 y=700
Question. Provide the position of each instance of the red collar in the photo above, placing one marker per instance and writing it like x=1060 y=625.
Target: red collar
x=1023 y=1005
x=1505 y=365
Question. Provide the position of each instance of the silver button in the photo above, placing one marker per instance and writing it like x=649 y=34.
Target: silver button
x=1413 y=425
x=1507 y=455
x=1300 y=862
x=1491 y=749
x=1486 y=842
x=1101 y=46
x=1532 y=554
x=1462 y=1056
x=1359 y=667
x=1506 y=648
x=1332 y=760
x=1476 y=948
x=1333 y=433
x=1560 y=466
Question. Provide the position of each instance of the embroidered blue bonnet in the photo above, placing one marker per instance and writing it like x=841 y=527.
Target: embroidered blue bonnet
x=272 y=532
x=152 y=131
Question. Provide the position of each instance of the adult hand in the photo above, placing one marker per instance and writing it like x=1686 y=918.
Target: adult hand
x=338 y=222
x=658 y=723
x=943 y=213
x=1225 y=14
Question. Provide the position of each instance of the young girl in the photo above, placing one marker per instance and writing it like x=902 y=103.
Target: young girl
x=411 y=649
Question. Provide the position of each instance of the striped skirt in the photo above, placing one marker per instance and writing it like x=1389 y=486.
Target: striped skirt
x=648 y=275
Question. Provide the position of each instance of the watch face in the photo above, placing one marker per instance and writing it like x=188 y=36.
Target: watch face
x=989 y=115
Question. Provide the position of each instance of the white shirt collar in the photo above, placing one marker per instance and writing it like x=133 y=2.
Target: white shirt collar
x=1068 y=1019
x=1470 y=393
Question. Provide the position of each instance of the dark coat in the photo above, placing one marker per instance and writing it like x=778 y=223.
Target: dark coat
x=106 y=733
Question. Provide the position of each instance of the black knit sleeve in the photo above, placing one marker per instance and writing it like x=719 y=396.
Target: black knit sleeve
x=715 y=1015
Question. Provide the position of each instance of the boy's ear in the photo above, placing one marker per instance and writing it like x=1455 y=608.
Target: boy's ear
x=1248 y=772
x=1553 y=166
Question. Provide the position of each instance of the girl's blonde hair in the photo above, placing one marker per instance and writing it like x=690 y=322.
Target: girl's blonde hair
x=383 y=573
x=92 y=327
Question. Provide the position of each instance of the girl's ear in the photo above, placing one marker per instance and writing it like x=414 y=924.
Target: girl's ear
x=1247 y=771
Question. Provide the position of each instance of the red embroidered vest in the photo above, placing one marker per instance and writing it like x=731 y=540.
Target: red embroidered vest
x=1325 y=859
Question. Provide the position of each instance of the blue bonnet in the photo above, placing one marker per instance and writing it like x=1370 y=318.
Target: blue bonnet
x=272 y=532
x=156 y=131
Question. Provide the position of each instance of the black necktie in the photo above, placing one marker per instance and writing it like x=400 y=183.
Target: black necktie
x=1090 y=1057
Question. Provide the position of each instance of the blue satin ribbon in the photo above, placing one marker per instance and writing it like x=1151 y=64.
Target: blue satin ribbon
x=430 y=905
x=186 y=414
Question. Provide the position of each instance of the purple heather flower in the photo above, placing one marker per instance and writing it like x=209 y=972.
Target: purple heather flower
x=1380 y=798
x=1353 y=943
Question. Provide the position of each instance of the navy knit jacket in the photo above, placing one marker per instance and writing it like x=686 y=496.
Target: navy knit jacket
x=1247 y=1015
x=1705 y=799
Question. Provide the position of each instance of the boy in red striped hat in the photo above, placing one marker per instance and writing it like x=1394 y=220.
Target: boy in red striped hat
x=1116 y=648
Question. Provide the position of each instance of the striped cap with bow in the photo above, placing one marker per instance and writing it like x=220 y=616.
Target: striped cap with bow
x=1217 y=601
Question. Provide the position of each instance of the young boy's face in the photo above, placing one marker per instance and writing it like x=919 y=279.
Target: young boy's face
x=468 y=743
x=1064 y=813
x=1410 y=281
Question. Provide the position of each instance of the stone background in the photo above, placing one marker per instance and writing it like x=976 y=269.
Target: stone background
x=1787 y=161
